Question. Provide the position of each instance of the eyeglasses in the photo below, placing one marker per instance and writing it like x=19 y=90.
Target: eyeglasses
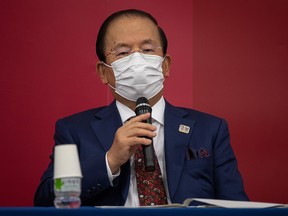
x=123 y=51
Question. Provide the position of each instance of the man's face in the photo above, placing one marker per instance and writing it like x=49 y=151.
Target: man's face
x=125 y=36
x=129 y=33
x=132 y=33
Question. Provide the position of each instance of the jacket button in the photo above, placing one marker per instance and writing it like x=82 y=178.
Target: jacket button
x=99 y=186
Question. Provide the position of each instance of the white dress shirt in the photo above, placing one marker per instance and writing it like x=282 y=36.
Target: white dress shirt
x=158 y=141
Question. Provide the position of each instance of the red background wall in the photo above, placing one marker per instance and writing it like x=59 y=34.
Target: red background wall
x=240 y=71
x=230 y=58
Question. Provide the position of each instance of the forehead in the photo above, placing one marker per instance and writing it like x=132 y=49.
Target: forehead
x=132 y=30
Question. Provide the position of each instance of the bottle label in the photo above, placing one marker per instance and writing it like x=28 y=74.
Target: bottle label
x=67 y=184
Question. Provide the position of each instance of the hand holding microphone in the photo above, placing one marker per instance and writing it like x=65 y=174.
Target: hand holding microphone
x=127 y=138
x=142 y=107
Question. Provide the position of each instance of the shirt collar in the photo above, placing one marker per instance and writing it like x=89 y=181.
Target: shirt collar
x=124 y=111
x=157 y=111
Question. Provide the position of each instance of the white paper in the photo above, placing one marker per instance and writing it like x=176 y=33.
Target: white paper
x=211 y=203
x=234 y=204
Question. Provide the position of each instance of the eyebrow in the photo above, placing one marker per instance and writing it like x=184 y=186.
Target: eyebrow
x=120 y=45
x=144 y=42
x=147 y=41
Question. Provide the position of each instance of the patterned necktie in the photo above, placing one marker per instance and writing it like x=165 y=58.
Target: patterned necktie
x=150 y=184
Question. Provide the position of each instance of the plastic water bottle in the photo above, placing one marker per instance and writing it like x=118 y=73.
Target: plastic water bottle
x=67 y=192
x=67 y=176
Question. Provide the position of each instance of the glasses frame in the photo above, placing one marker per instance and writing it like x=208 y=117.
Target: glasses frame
x=131 y=52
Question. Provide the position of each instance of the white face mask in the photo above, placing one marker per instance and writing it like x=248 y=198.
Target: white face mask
x=138 y=75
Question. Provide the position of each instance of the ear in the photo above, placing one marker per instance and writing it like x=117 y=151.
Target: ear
x=166 y=66
x=102 y=70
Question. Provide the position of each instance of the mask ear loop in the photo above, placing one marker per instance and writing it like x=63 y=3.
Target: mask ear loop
x=111 y=87
x=109 y=67
x=106 y=64
x=164 y=57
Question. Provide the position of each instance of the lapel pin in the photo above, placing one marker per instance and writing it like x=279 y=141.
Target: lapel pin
x=184 y=129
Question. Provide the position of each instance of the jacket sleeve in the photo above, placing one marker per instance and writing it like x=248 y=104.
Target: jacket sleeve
x=94 y=181
x=228 y=181
x=44 y=195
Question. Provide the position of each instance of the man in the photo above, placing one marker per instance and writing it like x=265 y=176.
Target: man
x=192 y=148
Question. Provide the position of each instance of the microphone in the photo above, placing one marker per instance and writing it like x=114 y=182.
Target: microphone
x=142 y=107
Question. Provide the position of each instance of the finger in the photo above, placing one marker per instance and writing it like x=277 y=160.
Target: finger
x=141 y=117
x=141 y=125
x=139 y=122
x=141 y=132
x=134 y=141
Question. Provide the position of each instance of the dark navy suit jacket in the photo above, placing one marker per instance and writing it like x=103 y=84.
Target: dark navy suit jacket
x=199 y=163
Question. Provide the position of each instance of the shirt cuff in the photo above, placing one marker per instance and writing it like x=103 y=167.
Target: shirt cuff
x=110 y=174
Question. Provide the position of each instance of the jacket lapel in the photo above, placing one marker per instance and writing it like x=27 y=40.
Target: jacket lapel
x=107 y=122
x=176 y=143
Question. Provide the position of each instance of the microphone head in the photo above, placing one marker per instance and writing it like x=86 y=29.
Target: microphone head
x=142 y=100
x=142 y=106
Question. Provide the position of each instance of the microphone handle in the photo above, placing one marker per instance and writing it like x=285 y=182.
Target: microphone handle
x=148 y=152
x=142 y=106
